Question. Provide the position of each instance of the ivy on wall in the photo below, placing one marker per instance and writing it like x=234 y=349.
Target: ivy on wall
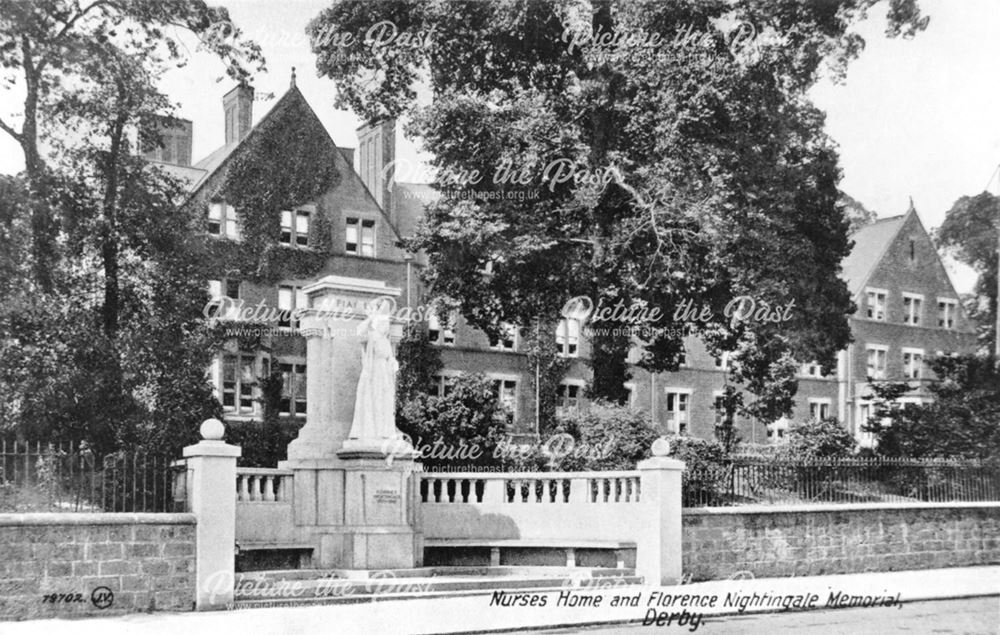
x=287 y=161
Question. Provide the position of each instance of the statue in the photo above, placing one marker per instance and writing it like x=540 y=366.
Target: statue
x=375 y=403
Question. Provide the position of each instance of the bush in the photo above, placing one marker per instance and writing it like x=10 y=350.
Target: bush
x=820 y=439
x=463 y=427
x=605 y=437
x=264 y=443
x=706 y=478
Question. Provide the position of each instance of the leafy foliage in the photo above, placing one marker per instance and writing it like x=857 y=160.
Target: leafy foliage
x=825 y=438
x=704 y=173
x=292 y=137
x=962 y=421
x=607 y=437
x=111 y=347
x=469 y=416
x=970 y=233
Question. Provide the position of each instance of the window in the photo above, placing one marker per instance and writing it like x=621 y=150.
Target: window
x=722 y=362
x=947 y=310
x=506 y=392
x=913 y=362
x=877 y=356
x=444 y=383
x=507 y=341
x=568 y=337
x=569 y=395
x=719 y=408
x=819 y=409
x=777 y=430
x=360 y=236
x=913 y=251
x=297 y=233
x=876 y=303
x=811 y=370
x=682 y=358
x=229 y=289
x=912 y=306
x=222 y=220
x=438 y=333
x=290 y=300
x=678 y=401
x=293 y=389
x=238 y=383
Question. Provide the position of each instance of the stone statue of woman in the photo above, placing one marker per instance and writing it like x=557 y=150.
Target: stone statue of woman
x=375 y=404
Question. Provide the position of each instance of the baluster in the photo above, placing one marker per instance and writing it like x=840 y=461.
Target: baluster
x=244 y=493
x=558 y=483
x=579 y=490
x=279 y=488
x=269 y=489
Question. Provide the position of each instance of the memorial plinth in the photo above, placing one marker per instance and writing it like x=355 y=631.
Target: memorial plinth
x=355 y=500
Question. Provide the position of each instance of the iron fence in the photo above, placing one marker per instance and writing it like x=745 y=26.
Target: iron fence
x=761 y=480
x=69 y=477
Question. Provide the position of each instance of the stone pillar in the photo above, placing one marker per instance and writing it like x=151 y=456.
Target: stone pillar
x=658 y=551
x=211 y=466
x=356 y=501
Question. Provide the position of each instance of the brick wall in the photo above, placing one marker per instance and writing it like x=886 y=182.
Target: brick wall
x=146 y=560
x=823 y=540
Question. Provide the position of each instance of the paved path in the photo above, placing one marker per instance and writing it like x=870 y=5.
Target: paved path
x=975 y=616
x=479 y=613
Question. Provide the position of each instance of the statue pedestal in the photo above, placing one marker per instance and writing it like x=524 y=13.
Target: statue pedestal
x=355 y=500
x=359 y=509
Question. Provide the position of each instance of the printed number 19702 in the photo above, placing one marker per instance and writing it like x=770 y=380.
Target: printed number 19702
x=65 y=598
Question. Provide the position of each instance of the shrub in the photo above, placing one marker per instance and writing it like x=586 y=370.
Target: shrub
x=606 y=437
x=707 y=473
x=463 y=427
x=820 y=439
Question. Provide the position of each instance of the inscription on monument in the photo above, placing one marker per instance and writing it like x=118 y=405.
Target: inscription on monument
x=387 y=496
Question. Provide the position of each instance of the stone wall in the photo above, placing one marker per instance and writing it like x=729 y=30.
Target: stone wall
x=821 y=540
x=146 y=561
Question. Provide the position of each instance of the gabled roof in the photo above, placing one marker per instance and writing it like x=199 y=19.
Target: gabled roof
x=217 y=160
x=870 y=244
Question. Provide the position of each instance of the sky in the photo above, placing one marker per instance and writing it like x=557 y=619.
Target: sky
x=914 y=118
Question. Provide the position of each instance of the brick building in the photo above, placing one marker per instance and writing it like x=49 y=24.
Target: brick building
x=908 y=308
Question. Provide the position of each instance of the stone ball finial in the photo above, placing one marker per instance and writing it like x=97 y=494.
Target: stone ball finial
x=661 y=447
x=212 y=430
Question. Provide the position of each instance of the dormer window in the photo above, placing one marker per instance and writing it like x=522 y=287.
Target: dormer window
x=222 y=220
x=295 y=228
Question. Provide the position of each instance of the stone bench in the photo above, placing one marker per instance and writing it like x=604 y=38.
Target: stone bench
x=568 y=546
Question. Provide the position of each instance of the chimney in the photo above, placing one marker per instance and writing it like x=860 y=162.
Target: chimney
x=175 y=142
x=238 y=106
x=376 y=158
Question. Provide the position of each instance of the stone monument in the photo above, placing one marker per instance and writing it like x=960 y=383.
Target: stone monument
x=356 y=496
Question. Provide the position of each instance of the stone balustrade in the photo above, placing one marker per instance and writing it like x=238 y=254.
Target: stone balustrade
x=263 y=485
x=530 y=487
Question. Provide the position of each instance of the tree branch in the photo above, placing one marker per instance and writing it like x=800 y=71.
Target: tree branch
x=9 y=130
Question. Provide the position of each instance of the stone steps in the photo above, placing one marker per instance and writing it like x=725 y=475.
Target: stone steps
x=309 y=587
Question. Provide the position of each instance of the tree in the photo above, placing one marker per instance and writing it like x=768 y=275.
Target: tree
x=856 y=212
x=963 y=420
x=118 y=334
x=690 y=172
x=48 y=45
x=970 y=233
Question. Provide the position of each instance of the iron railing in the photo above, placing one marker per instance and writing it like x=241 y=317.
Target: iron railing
x=761 y=480
x=69 y=477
